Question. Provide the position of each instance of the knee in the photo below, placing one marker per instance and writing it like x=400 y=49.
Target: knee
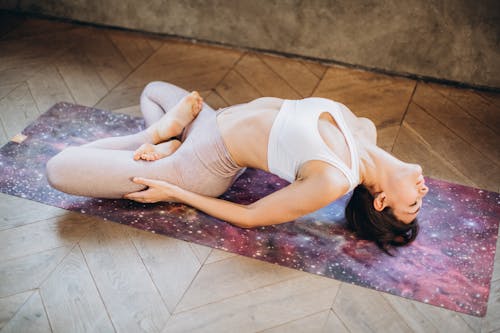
x=57 y=167
x=153 y=86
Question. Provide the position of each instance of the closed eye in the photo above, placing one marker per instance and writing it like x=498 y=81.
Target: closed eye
x=413 y=204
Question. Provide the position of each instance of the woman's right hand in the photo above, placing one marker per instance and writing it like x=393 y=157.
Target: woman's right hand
x=158 y=190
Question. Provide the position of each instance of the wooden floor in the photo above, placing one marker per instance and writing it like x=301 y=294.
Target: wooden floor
x=66 y=272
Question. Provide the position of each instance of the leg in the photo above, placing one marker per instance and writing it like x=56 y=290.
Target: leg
x=156 y=99
x=170 y=125
x=201 y=164
x=104 y=173
x=177 y=118
x=126 y=142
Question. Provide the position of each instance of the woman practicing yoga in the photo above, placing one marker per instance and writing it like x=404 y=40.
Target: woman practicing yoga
x=191 y=154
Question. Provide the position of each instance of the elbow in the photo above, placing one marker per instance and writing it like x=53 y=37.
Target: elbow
x=249 y=219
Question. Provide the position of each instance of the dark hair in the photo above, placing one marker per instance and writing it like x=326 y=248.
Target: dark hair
x=381 y=227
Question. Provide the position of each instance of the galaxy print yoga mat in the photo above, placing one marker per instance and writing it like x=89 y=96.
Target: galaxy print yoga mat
x=449 y=265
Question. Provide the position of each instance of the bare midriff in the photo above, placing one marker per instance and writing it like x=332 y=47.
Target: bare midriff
x=245 y=129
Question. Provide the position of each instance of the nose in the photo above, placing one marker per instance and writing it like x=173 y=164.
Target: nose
x=421 y=187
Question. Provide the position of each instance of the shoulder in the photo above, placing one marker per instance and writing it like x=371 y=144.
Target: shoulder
x=329 y=180
x=368 y=127
x=361 y=125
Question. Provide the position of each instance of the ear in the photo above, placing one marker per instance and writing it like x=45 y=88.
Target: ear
x=380 y=201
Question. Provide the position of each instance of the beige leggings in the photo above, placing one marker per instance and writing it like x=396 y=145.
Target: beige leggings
x=103 y=168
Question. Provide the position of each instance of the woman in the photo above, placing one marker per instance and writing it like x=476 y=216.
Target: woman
x=318 y=145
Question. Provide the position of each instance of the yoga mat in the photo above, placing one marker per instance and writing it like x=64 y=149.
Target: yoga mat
x=449 y=265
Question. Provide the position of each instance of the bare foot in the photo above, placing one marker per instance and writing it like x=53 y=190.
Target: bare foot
x=174 y=121
x=150 y=152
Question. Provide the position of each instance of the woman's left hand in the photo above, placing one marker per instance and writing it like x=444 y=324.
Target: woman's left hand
x=158 y=190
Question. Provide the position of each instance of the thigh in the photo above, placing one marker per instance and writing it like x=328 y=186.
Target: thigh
x=104 y=173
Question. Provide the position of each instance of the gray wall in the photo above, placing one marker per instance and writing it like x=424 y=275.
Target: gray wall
x=455 y=40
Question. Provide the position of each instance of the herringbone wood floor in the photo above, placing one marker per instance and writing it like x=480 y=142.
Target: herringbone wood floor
x=66 y=272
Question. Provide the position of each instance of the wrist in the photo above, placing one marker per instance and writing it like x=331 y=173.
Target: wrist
x=180 y=195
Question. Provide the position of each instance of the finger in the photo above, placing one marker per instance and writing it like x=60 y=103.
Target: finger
x=149 y=182
x=144 y=181
x=130 y=196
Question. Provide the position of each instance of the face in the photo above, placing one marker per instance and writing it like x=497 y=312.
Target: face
x=404 y=191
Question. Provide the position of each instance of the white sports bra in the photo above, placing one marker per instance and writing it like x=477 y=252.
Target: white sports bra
x=295 y=139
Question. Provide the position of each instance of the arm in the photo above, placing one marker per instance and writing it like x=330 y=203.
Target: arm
x=302 y=197
x=297 y=199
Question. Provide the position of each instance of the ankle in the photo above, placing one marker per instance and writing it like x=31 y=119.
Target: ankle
x=152 y=135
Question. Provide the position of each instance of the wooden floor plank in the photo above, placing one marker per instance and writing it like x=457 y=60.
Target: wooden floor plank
x=235 y=275
x=171 y=263
x=105 y=58
x=294 y=72
x=459 y=121
x=496 y=270
x=10 y=305
x=201 y=252
x=313 y=324
x=426 y=318
x=134 y=48
x=212 y=98
x=44 y=235
x=334 y=324
x=11 y=216
x=217 y=255
x=23 y=58
x=386 y=137
x=464 y=157
x=381 y=98
x=493 y=97
x=411 y=148
x=189 y=66
x=81 y=77
x=48 y=88
x=5 y=89
x=31 y=317
x=129 y=294
x=316 y=68
x=28 y=272
x=72 y=300
x=259 y=309
x=18 y=110
x=234 y=89
x=365 y=310
x=491 y=323
x=263 y=79
x=480 y=105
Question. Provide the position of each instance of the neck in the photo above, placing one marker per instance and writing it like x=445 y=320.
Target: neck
x=375 y=166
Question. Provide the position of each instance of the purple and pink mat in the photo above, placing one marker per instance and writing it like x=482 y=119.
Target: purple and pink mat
x=449 y=265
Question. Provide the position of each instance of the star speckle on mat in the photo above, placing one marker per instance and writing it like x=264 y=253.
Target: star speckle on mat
x=449 y=265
